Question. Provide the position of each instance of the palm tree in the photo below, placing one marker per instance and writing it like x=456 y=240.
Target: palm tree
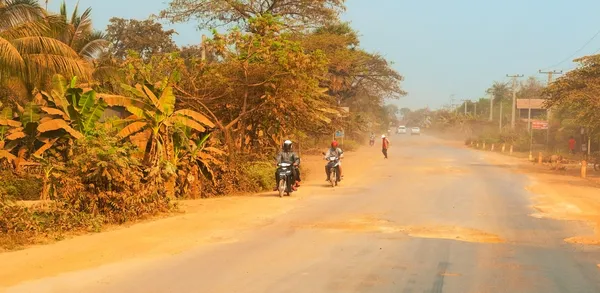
x=77 y=32
x=29 y=55
x=498 y=92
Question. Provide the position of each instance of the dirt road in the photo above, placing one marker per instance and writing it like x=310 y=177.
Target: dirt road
x=432 y=218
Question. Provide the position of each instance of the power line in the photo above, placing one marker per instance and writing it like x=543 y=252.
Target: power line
x=576 y=52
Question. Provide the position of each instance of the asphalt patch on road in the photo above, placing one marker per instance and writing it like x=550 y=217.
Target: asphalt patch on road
x=369 y=224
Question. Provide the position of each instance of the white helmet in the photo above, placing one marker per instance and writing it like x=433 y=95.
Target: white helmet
x=383 y=136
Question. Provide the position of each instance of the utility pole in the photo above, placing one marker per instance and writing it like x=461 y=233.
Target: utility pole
x=550 y=74
x=514 y=100
x=465 y=101
x=549 y=111
x=529 y=115
x=475 y=110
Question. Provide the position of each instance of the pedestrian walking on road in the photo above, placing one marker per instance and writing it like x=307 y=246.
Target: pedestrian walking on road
x=385 y=145
x=572 y=143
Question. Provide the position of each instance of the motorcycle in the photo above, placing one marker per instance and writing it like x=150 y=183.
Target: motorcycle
x=284 y=171
x=372 y=142
x=333 y=164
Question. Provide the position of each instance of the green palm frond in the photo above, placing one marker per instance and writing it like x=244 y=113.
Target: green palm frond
x=40 y=65
x=25 y=29
x=43 y=45
x=10 y=58
x=92 y=46
x=81 y=25
x=16 y=12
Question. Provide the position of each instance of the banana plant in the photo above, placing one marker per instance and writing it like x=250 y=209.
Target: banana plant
x=153 y=125
x=65 y=112
x=194 y=159
x=192 y=149
x=14 y=141
x=154 y=119
x=69 y=108
x=6 y=124
x=8 y=130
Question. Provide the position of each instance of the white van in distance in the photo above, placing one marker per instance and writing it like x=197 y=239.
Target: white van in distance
x=401 y=129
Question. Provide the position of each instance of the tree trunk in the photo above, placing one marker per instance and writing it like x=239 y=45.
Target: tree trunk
x=242 y=122
x=45 y=189
x=169 y=156
x=150 y=151
x=229 y=142
x=491 y=109
x=195 y=185
x=170 y=186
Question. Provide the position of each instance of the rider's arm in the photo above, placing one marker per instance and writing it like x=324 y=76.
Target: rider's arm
x=279 y=158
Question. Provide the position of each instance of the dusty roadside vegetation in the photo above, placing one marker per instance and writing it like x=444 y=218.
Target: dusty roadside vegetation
x=97 y=129
x=198 y=224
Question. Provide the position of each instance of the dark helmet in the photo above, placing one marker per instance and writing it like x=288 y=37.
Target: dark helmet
x=334 y=144
x=287 y=145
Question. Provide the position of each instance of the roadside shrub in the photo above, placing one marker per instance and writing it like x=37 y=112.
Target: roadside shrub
x=521 y=144
x=260 y=175
x=25 y=187
x=315 y=145
x=350 y=145
x=489 y=135
x=518 y=138
x=104 y=179
x=102 y=183
x=227 y=180
x=20 y=225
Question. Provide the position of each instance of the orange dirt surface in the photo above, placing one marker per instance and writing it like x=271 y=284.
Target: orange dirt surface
x=202 y=224
x=568 y=200
x=370 y=224
x=560 y=196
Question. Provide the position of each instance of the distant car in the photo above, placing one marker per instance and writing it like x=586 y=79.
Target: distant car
x=415 y=131
x=401 y=129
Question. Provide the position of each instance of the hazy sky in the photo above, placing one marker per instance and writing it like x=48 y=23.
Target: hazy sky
x=441 y=47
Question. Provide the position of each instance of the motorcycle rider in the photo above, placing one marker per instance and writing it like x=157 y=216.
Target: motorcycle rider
x=372 y=139
x=288 y=156
x=337 y=152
